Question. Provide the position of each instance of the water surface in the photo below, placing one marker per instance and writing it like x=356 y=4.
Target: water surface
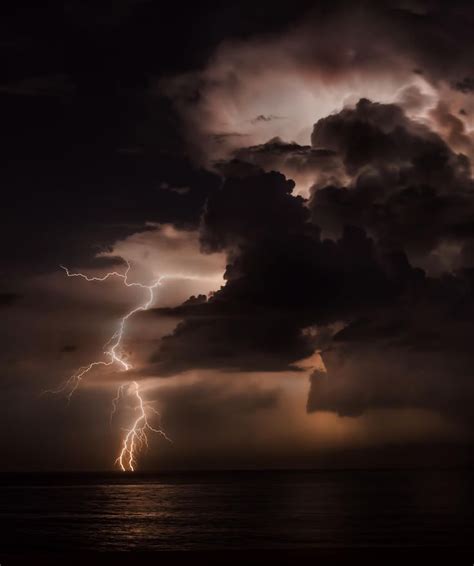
x=236 y=510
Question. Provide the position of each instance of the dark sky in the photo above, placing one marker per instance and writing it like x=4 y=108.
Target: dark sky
x=83 y=129
x=300 y=173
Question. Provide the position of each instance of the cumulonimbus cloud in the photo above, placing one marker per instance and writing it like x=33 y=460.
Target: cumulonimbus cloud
x=284 y=277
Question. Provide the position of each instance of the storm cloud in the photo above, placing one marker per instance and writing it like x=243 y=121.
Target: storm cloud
x=306 y=168
x=364 y=259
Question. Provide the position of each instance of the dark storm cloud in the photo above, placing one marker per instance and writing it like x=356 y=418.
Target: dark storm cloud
x=405 y=341
x=408 y=188
x=438 y=38
x=383 y=249
x=295 y=160
x=70 y=183
x=69 y=175
x=384 y=50
x=381 y=136
x=410 y=191
x=302 y=155
x=281 y=278
x=269 y=342
x=436 y=35
x=70 y=219
x=85 y=143
x=417 y=355
x=245 y=325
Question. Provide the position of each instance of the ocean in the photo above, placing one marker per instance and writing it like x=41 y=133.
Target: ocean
x=47 y=513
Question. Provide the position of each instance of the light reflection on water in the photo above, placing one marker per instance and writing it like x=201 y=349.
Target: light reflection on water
x=237 y=510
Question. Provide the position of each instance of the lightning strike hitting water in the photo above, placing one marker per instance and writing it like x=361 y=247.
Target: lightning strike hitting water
x=136 y=436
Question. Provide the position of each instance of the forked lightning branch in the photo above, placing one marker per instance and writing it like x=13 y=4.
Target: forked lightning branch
x=135 y=437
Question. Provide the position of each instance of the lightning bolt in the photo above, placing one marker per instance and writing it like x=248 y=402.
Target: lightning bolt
x=136 y=436
x=112 y=346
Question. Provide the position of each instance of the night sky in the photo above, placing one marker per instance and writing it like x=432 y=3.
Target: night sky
x=300 y=176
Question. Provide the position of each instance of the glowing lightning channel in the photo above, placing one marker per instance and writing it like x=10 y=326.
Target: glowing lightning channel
x=136 y=436
x=116 y=400
x=115 y=341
